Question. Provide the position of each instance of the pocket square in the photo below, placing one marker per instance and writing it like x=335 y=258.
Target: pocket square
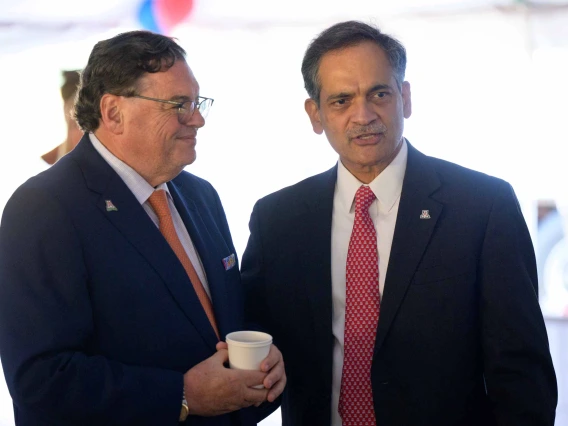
x=229 y=262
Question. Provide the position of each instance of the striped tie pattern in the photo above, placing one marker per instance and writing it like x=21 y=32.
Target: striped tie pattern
x=159 y=203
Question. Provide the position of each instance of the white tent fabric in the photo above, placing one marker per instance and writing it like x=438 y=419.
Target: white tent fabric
x=28 y=23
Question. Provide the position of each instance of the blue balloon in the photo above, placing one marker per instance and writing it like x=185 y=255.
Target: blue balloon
x=146 y=17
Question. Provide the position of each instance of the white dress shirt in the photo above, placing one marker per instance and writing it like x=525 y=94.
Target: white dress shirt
x=142 y=191
x=387 y=187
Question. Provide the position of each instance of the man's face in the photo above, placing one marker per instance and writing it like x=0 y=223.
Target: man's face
x=156 y=144
x=361 y=110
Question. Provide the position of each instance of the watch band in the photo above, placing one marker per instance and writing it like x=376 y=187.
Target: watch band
x=184 y=409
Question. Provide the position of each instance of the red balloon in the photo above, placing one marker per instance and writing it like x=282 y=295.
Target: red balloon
x=169 y=13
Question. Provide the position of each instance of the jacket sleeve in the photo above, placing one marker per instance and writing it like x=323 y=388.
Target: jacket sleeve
x=46 y=329
x=255 y=303
x=519 y=375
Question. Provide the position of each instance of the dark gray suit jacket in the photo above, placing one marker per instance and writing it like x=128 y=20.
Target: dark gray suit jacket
x=461 y=338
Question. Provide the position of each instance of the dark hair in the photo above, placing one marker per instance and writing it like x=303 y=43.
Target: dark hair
x=116 y=65
x=71 y=81
x=347 y=34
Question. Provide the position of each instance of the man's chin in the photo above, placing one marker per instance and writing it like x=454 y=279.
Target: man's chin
x=189 y=159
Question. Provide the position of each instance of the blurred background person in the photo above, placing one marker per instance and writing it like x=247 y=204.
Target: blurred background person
x=71 y=80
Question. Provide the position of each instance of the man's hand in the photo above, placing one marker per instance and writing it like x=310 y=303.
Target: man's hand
x=212 y=389
x=275 y=381
x=273 y=364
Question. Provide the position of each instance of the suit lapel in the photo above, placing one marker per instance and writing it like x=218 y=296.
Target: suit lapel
x=212 y=249
x=133 y=222
x=411 y=236
x=317 y=267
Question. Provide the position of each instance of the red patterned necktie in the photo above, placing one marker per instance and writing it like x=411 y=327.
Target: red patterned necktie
x=159 y=203
x=362 y=304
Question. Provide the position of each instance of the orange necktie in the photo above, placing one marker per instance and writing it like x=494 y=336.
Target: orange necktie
x=159 y=203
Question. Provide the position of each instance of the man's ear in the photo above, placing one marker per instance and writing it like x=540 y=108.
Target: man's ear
x=111 y=113
x=312 y=109
x=406 y=99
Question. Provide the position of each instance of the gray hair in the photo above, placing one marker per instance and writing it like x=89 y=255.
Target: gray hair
x=347 y=34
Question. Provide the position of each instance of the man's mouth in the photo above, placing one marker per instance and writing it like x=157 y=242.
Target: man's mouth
x=367 y=138
x=187 y=137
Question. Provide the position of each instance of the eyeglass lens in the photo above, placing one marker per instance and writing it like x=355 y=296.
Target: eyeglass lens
x=187 y=112
x=204 y=107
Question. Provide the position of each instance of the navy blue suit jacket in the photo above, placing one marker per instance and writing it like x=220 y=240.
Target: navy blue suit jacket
x=98 y=319
x=460 y=339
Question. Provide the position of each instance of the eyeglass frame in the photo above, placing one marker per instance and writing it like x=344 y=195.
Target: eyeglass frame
x=180 y=105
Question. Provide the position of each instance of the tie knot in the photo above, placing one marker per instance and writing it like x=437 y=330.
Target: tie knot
x=159 y=203
x=363 y=199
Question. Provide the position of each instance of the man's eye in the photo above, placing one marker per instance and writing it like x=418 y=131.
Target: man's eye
x=340 y=102
x=381 y=94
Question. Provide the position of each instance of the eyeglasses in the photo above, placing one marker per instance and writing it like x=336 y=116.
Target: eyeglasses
x=185 y=109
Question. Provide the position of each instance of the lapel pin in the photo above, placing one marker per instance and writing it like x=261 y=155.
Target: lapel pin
x=110 y=206
x=425 y=214
x=229 y=262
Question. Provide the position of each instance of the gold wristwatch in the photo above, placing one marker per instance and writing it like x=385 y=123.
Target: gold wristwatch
x=184 y=410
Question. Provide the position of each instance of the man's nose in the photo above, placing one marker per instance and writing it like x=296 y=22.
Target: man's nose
x=363 y=112
x=196 y=119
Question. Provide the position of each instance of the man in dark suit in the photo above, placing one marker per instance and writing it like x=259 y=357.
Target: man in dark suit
x=118 y=275
x=400 y=288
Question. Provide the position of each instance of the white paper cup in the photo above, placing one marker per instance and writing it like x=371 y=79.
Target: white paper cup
x=247 y=349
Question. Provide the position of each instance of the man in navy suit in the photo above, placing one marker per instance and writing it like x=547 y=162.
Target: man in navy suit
x=440 y=324
x=113 y=304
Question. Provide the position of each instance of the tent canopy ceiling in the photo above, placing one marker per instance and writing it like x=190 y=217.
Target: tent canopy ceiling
x=29 y=23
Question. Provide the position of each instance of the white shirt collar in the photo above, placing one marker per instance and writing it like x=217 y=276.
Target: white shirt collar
x=136 y=183
x=387 y=186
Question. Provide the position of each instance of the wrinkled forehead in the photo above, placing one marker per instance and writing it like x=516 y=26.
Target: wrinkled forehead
x=358 y=66
x=177 y=80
